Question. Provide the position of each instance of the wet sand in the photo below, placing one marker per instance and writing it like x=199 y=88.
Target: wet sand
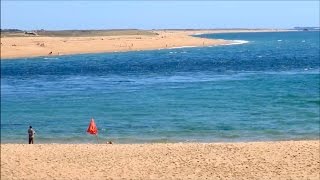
x=252 y=160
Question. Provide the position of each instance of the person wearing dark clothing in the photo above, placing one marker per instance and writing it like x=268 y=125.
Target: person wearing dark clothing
x=31 y=133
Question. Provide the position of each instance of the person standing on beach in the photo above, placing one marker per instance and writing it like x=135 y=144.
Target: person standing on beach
x=31 y=133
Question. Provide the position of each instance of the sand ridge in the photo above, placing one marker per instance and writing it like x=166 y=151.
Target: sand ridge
x=252 y=160
x=16 y=47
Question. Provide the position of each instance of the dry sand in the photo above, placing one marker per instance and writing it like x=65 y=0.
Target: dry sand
x=256 y=160
x=15 y=47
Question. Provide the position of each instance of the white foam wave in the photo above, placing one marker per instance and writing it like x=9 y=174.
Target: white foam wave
x=179 y=47
x=235 y=42
x=50 y=58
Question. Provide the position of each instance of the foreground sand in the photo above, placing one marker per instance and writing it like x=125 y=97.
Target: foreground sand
x=15 y=47
x=257 y=160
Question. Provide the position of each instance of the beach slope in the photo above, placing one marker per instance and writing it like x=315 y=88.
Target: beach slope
x=256 y=160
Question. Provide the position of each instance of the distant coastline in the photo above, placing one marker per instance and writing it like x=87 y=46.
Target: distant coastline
x=20 y=44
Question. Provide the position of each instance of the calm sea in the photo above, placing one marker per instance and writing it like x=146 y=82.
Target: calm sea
x=266 y=89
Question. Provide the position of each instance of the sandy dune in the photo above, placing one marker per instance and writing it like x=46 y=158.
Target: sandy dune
x=14 y=47
x=257 y=160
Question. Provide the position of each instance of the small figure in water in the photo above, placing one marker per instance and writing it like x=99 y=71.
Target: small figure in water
x=31 y=133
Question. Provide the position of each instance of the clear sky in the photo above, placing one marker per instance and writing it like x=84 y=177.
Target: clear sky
x=54 y=15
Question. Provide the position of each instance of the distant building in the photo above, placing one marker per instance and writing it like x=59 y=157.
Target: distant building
x=31 y=33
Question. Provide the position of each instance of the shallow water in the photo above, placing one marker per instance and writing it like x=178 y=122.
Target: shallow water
x=266 y=89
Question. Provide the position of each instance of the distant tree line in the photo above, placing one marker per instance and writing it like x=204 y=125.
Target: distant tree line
x=306 y=28
x=11 y=30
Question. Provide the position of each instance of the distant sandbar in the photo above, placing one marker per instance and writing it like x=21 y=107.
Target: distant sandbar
x=52 y=43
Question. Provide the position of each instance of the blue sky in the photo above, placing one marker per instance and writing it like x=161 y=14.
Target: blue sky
x=56 y=15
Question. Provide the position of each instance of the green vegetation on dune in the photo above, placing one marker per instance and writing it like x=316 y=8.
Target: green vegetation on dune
x=74 y=33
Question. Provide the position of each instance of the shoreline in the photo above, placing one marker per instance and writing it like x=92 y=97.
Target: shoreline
x=243 y=160
x=230 y=43
x=93 y=142
x=28 y=47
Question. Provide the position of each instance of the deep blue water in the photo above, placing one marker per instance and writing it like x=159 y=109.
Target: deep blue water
x=267 y=89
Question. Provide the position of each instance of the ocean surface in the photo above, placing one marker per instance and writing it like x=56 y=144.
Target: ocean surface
x=265 y=86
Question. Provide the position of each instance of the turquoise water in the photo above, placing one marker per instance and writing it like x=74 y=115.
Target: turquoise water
x=266 y=89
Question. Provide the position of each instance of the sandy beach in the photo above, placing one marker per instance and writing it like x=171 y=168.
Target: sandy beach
x=32 y=46
x=251 y=160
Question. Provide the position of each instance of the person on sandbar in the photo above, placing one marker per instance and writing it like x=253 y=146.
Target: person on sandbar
x=31 y=133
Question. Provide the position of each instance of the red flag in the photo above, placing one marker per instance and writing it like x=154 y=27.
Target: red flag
x=92 y=129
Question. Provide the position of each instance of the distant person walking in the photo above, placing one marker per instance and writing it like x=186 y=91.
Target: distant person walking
x=31 y=133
